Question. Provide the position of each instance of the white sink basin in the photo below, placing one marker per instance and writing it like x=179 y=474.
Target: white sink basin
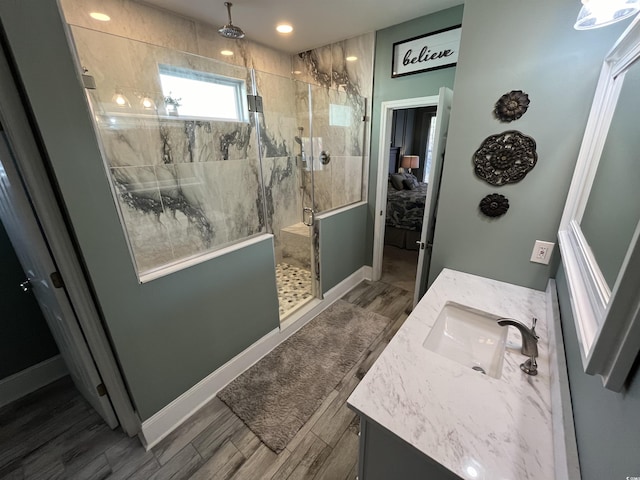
x=470 y=337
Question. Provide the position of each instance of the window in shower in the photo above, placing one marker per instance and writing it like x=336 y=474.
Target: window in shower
x=199 y=94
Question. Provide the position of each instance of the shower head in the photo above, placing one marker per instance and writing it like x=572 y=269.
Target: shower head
x=298 y=140
x=230 y=30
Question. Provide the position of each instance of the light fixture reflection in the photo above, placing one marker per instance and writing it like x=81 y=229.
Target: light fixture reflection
x=351 y=58
x=120 y=99
x=147 y=103
x=473 y=473
x=226 y=53
x=102 y=17
x=600 y=13
x=284 y=28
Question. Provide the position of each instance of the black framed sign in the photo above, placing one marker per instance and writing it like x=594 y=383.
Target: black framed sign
x=426 y=52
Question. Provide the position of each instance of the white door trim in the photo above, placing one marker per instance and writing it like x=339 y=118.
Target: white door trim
x=386 y=121
x=45 y=204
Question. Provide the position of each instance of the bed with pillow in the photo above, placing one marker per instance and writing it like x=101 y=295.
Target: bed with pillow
x=405 y=210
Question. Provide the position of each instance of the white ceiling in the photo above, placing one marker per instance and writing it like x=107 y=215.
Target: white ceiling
x=316 y=23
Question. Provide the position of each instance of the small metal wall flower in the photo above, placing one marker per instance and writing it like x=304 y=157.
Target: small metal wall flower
x=511 y=106
x=494 y=205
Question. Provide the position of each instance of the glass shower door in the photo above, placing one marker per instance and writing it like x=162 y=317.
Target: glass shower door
x=284 y=140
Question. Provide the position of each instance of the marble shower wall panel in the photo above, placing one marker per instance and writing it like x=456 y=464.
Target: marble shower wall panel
x=245 y=53
x=337 y=121
x=346 y=180
x=156 y=26
x=338 y=183
x=184 y=186
x=314 y=66
x=282 y=181
x=355 y=77
x=327 y=66
x=135 y=21
x=142 y=212
x=278 y=121
x=227 y=194
x=348 y=86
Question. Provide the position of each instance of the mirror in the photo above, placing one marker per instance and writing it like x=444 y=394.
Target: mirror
x=601 y=222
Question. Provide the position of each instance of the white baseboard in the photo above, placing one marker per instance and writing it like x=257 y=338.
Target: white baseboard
x=367 y=272
x=31 y=379
x=173 y=415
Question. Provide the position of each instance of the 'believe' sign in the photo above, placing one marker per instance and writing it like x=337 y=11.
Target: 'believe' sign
x=426 y=52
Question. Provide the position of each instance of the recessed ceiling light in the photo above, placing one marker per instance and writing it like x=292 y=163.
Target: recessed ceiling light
x=284 y=28
x=351 y=58
x=226 y=53
x=103 y=17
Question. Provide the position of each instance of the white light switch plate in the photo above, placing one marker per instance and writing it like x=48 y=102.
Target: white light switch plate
x=542 y=252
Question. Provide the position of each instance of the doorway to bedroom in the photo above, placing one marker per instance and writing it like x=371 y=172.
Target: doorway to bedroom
x=411 y=152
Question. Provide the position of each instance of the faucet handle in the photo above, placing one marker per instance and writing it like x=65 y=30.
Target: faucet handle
x=534 y=321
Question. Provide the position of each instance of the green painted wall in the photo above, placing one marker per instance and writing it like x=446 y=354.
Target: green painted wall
x=506 y=46
x=25 y=339
x=607 y=423
x=172 y=332
x=341 y=245
x=386 y=88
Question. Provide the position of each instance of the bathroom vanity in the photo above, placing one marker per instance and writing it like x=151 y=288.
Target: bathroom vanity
x=427 y=413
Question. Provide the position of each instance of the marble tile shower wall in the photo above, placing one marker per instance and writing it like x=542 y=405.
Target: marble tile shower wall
x=176 y=197
x=349 y=84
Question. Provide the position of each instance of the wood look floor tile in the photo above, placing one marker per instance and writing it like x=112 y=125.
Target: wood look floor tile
x=262 y=464
x=222 y=464
x=217 y=433
x=54 y=434
x=186 y=432
x=128 y=457
x=342 y=459
x=96 y=469
x=181 y=466
x=305 y=460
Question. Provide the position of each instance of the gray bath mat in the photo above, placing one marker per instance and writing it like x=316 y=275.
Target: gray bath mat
x=279 y=394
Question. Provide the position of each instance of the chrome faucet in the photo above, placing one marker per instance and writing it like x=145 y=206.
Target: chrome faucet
x=529 y=343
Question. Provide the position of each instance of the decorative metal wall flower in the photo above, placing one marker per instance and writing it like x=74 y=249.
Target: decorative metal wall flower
x=511 y=106
x=494 y=205
x=505 y=158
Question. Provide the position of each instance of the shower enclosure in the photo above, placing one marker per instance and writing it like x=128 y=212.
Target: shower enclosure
x=202 y=155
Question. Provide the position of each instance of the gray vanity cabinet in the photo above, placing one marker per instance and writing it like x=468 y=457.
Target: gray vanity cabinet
x=384 y=456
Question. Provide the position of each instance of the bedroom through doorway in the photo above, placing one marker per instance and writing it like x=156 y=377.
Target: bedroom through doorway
x=411 y=144
x=410 y=155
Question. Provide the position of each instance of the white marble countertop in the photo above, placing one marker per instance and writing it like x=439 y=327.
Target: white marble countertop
x=476 y=426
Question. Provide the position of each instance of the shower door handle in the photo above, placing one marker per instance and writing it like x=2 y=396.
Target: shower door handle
x=308 y=213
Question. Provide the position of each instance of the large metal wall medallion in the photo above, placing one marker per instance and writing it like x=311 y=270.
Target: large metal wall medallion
x=511 y=106
x=505 y=158
x=494 y=205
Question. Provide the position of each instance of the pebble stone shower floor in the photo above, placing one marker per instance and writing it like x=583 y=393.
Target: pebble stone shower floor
x=294 y=287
